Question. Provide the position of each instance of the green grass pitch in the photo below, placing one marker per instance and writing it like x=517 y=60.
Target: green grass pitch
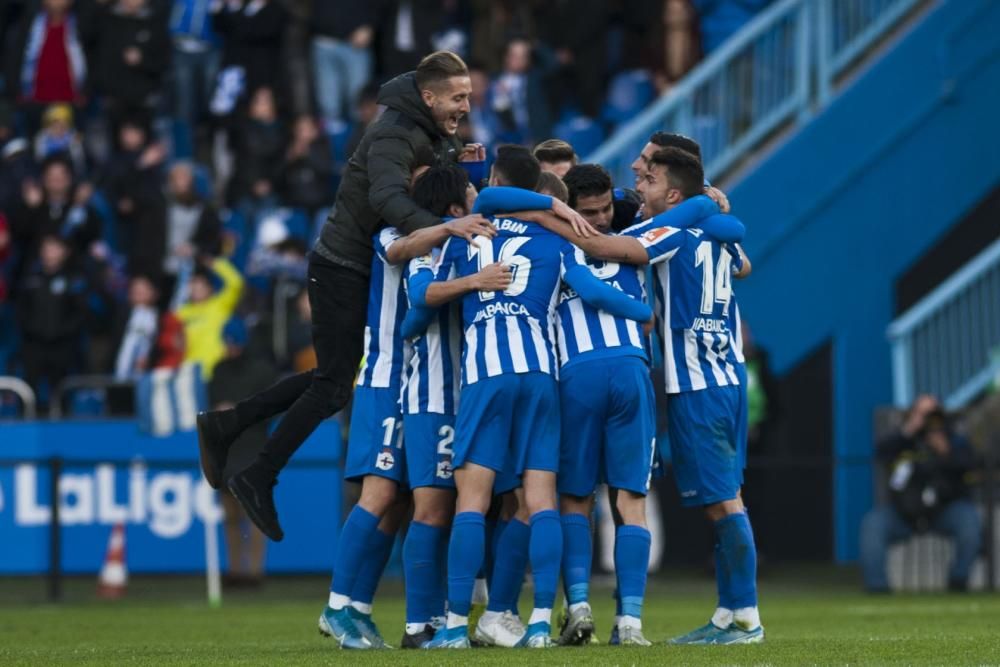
x=815 y=618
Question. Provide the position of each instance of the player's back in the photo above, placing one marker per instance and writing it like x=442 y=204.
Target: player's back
x=587 y=332
x=693 y=293
x=510 y=331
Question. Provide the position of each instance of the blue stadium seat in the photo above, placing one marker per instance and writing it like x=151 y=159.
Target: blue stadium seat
x=584 y=134
x=87 y=402
x=628 y=94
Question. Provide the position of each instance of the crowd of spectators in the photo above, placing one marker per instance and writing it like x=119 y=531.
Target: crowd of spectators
x=156 y=155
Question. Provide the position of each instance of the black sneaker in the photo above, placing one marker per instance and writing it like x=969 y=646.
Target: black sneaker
x=253 y=488
x=217 y=429
x=418 y=640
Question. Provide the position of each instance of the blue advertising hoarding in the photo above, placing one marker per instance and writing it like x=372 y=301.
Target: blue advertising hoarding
x=112 y=473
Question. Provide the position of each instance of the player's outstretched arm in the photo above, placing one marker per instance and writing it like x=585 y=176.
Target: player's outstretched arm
x=498 y=199
x=723 y=228
x=622 y=249
x=417 y=319
x=421 y=241
x=601 y=295
x=418 y=316
x=689 y=213
x=494 y=277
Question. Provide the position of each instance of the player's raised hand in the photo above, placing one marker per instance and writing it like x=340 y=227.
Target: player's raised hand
x=471 y=226
x=494 y=277
x=719 y=197
x=580 y=224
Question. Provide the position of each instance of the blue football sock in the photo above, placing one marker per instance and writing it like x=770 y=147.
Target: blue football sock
x=545 y=552
x=722 y=579
x=379 y=550
x=739 y=554
x=421 y=571
x=465 y=557
x=441 y=583
x=493 y=529
x=510 y=563
x=631 y=562
x=577 y=556
x=352 y=549
x=618 y=601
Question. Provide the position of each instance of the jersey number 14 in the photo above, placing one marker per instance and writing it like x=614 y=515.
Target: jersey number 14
x=716 y=286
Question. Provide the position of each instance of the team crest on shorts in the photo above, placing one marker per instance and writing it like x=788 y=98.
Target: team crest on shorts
x=385 y=461
x=444 y=470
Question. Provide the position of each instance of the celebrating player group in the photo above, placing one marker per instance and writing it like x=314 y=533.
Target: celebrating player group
x=501 y=344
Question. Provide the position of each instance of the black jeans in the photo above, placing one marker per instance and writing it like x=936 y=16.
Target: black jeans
x=339 y=300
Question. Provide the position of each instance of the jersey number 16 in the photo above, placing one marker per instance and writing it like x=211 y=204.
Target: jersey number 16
x=520 y=266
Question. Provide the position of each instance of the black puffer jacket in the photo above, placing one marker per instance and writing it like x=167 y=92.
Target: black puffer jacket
x=148 y=32
x=374 y=192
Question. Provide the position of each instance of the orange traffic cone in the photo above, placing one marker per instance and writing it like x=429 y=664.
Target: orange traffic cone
x=114 y=576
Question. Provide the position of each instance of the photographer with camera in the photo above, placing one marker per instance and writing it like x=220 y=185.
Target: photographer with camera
x=927 y=463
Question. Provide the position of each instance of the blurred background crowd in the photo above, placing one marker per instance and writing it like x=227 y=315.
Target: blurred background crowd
x=166 y=164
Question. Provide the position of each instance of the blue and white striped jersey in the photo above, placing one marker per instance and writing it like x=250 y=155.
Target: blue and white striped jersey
x=511 y=331
x=735 y=326
x=432 y=378
x=586 y=331
x=384 y=359
x=692 y=287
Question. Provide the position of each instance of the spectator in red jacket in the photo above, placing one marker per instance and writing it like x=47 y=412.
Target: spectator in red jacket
x=46 y=61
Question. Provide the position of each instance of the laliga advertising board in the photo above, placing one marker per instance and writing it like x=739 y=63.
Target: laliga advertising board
x=113 y=474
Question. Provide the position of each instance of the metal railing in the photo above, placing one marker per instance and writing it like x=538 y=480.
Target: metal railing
x=948 y=343
x=23 y=391
x=73 y=383
x=772 y=72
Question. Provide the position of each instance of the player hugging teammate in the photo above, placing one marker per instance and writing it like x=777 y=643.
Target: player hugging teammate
x=505 y=376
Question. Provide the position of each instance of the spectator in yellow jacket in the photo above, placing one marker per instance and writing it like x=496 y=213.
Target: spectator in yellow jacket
x=207 y=311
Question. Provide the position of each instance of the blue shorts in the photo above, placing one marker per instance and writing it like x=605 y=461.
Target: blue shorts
x=608 y=417
x=429 y=437
x=703 y=444
x=509 y=423
x=375 y=443
x=506 y=481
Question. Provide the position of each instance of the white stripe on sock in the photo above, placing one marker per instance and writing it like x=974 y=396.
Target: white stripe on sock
x=338 y=601
x=362 y=607
x=540 y=616
x=456 y=621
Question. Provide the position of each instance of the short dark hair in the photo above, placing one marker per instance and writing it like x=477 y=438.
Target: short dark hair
x=555 y=150
x=440 y=187
x=516 y=166
x=437 y=67
x=671 y=139
x=60 y=158
x=587 y=180
x=549 y=182
x=684 y=171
